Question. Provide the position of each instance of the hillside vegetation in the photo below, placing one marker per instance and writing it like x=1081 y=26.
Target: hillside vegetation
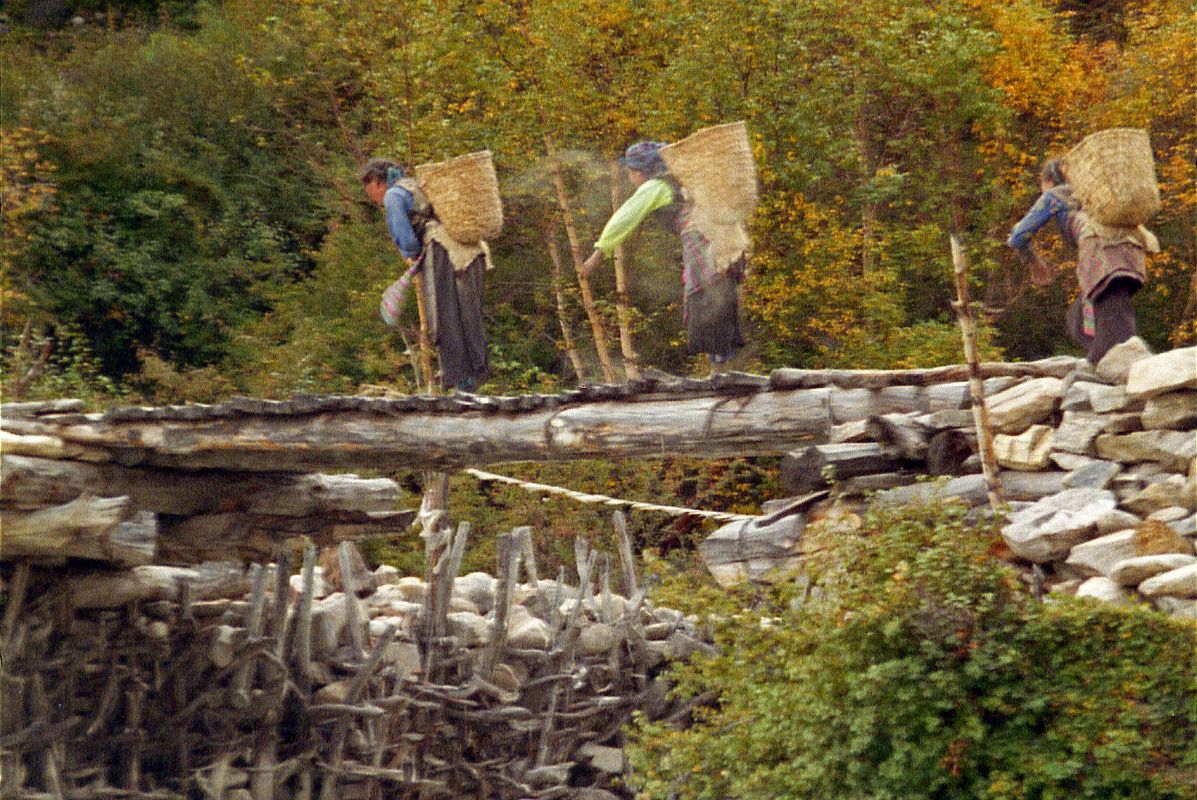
x=182 y=217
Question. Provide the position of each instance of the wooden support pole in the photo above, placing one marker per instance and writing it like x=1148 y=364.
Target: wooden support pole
x=427 y=374
x=976 y=386
x=623 y=305
x=627 y=561
x=575 y=248
x=567 y=333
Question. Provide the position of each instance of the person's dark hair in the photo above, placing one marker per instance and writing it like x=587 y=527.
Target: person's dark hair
x=376 y=170
x=1053 y=171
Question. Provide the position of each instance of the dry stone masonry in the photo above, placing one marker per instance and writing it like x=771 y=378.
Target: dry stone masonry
x=1097 y=466
x=1123 y=530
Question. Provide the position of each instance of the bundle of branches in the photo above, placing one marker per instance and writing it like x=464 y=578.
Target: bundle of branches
x=219 y=682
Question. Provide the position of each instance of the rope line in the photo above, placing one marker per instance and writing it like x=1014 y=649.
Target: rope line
x=583 y=497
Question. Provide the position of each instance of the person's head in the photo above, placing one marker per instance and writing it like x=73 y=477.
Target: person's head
x=1052 y=174
x=643 y=161
x=376 y=176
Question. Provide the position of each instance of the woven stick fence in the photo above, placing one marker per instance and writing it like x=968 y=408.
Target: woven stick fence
x=250 y=686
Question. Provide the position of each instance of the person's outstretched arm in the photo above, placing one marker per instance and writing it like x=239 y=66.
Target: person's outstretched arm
x=651 y=195
x=1046 y=207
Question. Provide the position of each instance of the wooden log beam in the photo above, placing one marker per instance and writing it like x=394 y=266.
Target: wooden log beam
x=766 y=422
x=29 y=483
x=257 y=536
x=115 y=588
x=98 y=528
x=803 y=470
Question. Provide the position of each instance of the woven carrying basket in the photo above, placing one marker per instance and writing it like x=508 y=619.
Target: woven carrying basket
x=464 y=193
x=715 y=166
x=1112 y=174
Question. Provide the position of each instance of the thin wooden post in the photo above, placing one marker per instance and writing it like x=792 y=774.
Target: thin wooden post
x=567 y=334
x=976 y=386
x=425 y=335
x=435 y=502
x=627 y=561
x=623 y=306
x=575 y=248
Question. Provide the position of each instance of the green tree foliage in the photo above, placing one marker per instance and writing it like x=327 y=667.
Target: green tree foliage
x=912 y=665
x=213 y=227
x=177 y=206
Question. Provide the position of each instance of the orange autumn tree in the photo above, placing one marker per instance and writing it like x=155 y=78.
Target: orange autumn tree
x=1063 y=76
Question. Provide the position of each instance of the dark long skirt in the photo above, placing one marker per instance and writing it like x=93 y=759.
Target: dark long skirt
x=713 y=318
x=1113 y=317
x=460 y=335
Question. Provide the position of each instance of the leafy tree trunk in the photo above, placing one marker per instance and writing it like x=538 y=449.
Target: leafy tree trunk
x=868 y=209
x=596 y=322
x=567 y=334
x=623 y=307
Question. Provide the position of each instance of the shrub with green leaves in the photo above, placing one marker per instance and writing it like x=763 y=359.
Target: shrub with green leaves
x=913 y=665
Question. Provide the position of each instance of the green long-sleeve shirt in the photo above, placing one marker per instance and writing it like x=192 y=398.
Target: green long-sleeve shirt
x=650 y=196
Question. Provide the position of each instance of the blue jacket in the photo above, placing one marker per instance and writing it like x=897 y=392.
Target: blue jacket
x=398 y=203
x=1048 y=205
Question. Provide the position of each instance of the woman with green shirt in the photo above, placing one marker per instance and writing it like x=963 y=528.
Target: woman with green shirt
x=711 y=272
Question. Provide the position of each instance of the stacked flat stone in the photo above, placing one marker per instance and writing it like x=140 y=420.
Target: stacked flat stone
x=1124 y=437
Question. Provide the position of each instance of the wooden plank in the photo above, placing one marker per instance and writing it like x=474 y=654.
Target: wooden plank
x=28 y=482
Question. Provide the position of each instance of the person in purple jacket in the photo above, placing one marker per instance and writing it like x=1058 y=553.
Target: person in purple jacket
x=1111 y=263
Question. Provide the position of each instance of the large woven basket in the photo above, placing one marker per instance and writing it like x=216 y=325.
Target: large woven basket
x=1112 y=174
x=464 y=193
x=716 y=167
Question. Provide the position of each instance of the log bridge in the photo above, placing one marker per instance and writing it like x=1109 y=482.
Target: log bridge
x=179 y=674
x=184 y=484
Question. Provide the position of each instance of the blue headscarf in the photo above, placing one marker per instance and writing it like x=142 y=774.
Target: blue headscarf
x=393 y=175
x=645 y=157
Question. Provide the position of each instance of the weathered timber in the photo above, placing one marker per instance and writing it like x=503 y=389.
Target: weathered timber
x=98 y=528
x=176 y=696
x=43 y=445
x=112 y=589
x=963 y=308
x=39 y=407
x=761 y=423
x=760 y=547
x=803 y=470
x=240 y=535
x=28 y=482
x=789 y=378
x=901 y=433
x=947 y=452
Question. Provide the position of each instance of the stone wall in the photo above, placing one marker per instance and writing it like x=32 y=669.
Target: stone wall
x=1123 y=438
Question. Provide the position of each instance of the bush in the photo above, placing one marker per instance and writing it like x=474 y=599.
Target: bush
x=920 y=668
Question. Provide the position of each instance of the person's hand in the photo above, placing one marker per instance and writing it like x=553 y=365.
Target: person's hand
x=589 y=264
x=1042 y=273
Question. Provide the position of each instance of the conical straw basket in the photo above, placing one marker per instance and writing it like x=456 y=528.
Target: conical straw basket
x=1112 y=174
x=716 y=167
x=464 y=193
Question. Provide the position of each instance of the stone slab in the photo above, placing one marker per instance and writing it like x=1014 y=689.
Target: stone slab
x=1048 y=530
